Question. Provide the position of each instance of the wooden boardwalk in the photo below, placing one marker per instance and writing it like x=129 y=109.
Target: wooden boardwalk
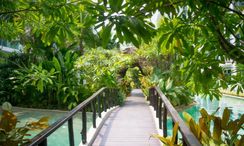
x=130 y=125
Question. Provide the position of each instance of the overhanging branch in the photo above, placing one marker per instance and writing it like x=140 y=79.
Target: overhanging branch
x=232 y=10
x=18 y=11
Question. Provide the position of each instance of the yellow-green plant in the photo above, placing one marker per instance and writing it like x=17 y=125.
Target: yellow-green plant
x=10 y=135
x=225 y=131
x=170 y=140
x=145 y=84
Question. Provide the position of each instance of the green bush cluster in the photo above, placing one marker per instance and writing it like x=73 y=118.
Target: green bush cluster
x=101 y=68
x=50 y=83
x=65 y=79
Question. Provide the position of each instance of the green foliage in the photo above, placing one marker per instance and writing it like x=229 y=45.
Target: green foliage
x=192 y=39
x=7 y=67
x=199 y=24
x=121 y=97
x=68 y=88
x=10 y=135
x=177 y=94
x=237 y=81
x=69 y=22
x=131 y=80
x=145 y=83
x=54 y=82
x=163 y=71
x=35 y=76
x=225 y=130
x=100 y=68
x=197 y=70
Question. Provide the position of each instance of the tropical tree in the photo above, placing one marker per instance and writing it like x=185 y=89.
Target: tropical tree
x=195 y=35
x=60 y=21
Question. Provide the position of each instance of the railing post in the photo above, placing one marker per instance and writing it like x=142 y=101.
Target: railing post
x=184 y=142
x=165 y=122
x=160 y=113
x=99 y=106
x=176 y=138
x=151 y=96
x=117 y=97
x=156 y=104
x=155 y=100
x=109 y=99
x=71 y=132
x=104 y=101
x=43 y=143
x=113 y=97
x=188 y=137
x=94 y=113
x=84 y=128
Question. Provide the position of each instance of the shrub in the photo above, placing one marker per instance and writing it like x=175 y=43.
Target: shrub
x=10 y=135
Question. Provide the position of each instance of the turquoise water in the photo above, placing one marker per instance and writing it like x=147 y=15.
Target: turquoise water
x=235 y=104
x=61 y=136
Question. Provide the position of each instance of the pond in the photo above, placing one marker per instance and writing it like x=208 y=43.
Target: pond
x=236 y=105
x=59 y=137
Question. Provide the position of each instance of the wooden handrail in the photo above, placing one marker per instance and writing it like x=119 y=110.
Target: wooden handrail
x=94 y=100
x=157 y=98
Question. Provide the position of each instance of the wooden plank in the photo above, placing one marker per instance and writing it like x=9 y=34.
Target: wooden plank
x=130 y=125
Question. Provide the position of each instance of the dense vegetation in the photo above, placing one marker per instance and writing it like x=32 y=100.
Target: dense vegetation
x=71 y=49
x=181 y=53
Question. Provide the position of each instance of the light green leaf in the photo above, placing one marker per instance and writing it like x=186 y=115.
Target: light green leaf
x=40 y=86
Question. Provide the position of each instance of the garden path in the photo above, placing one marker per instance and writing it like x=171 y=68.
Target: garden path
x=129 y=125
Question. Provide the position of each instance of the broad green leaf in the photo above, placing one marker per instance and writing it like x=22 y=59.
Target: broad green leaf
x=129 y=36
x=56 y=64
x=115 y=4
x=119 y=34
x=40 y=85
x=106 y=34
x=169 y=84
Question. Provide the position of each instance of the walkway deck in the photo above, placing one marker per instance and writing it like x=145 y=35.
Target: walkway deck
x=129 y=125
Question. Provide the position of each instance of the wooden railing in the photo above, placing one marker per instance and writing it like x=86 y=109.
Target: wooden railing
x=157 y=99
x=98 y=102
